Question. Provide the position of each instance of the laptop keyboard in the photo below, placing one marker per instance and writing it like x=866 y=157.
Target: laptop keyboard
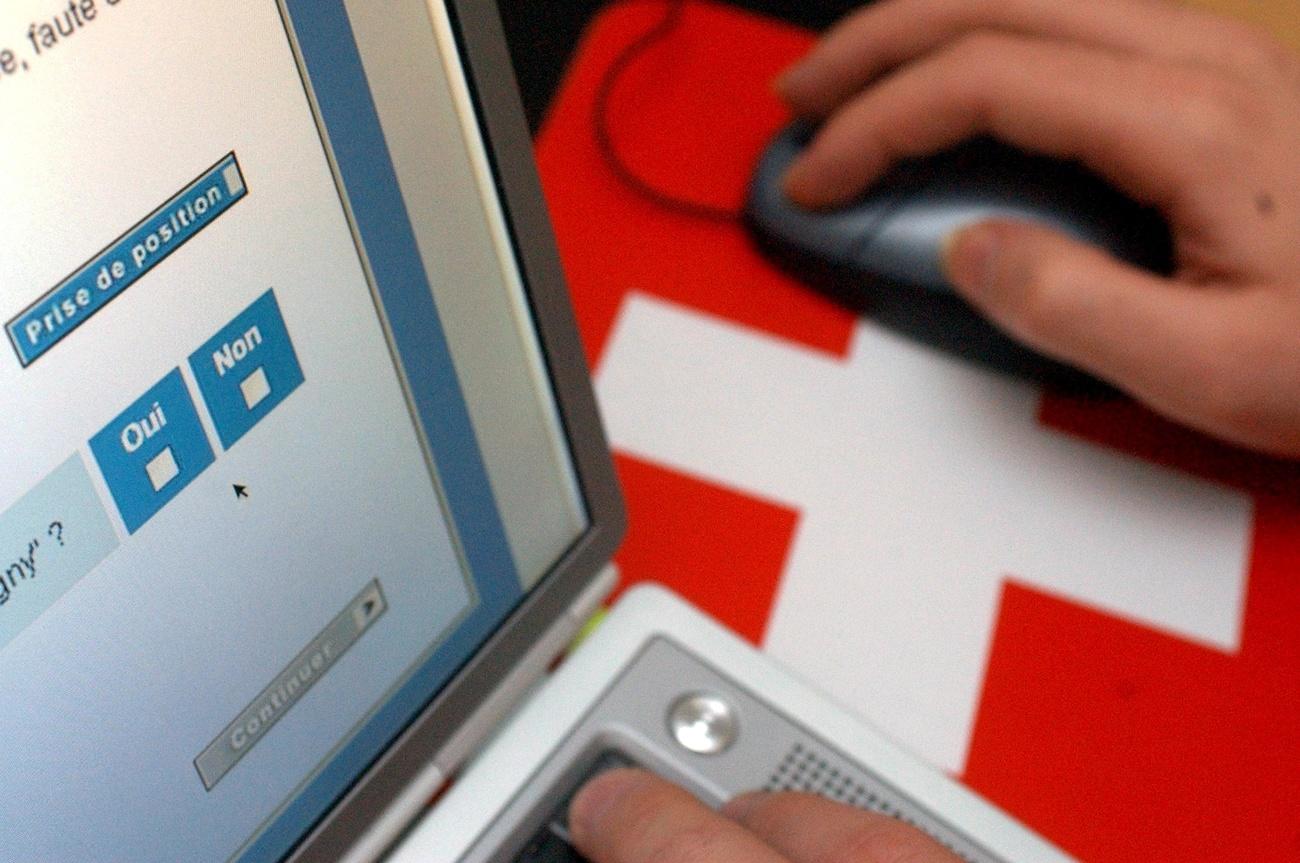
x=551 y=842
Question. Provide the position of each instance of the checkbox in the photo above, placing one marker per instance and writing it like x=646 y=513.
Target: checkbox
x=162 y=469
x=255 y=388
x=234 y=180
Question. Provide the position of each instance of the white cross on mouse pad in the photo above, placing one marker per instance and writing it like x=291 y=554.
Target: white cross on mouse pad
x=922 y=483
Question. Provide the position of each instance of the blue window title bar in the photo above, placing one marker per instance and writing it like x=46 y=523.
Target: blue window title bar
x=126 y=260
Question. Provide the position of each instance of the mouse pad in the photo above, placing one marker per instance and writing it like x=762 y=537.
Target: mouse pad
x=1086 y=613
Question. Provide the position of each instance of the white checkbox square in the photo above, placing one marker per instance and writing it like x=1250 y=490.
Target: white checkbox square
x=255 y=388
x=162 y=469
x=234 y=180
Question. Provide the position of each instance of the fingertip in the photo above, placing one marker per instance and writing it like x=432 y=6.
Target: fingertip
x=797 y=185
x=598 y=797
x=800 y=87
x=786 y=83
x=1075 y=302
x=835 y=167
x=969 y=256
x=806 y=185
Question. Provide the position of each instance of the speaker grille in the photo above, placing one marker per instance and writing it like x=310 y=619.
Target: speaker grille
x=807 y=769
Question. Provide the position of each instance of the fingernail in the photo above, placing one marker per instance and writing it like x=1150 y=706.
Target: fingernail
x=596 y=797
x=970 y=255
x=792 y=178
x=799 y=184
x=738 y=808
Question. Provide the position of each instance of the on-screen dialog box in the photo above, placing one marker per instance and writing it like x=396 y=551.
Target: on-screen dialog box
x=200 y=402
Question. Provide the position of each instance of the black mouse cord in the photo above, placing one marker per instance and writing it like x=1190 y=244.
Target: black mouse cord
x=625 y=174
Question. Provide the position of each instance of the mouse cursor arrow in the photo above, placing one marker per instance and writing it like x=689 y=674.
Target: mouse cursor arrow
x=241 y=491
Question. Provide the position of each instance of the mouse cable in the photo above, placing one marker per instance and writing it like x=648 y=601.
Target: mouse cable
x=625 y=174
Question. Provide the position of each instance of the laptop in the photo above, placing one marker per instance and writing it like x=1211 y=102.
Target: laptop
x=304 y=485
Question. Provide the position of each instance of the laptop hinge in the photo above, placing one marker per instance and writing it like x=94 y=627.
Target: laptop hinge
x=513 y=689
x=524 y=677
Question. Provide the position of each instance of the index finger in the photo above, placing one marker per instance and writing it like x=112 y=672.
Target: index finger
x=1142 y=125
x=630 y=816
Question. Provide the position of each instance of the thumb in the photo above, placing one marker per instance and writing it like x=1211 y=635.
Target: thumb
x=1219 y=358
x=1148 y=335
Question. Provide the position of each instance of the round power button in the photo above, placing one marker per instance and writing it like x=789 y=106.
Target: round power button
x=703 y=723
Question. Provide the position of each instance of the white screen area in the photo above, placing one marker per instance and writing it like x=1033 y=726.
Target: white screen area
x=211 y=464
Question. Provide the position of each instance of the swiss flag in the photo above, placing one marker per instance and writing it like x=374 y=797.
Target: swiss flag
x=1128 y=717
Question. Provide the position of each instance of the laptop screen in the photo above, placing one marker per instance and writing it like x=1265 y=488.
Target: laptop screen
x=280 y=448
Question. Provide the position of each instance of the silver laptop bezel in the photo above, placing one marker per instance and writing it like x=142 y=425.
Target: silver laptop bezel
x=424 y=743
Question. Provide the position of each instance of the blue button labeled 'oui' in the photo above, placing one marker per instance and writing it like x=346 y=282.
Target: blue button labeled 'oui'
x=152 y=450
x=247 y=369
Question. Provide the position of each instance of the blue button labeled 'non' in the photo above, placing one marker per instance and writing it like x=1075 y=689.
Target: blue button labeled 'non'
x=152 y=450
x=247 y=369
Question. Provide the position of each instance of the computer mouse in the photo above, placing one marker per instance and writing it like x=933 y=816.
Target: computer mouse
x=881 y=255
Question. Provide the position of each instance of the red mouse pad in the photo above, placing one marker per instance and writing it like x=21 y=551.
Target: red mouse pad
x=1088 y=614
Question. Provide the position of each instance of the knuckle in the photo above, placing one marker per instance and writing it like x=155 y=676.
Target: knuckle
x=1219 y=112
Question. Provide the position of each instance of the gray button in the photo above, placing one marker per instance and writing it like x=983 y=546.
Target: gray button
x=703 y=723
x=290 y=685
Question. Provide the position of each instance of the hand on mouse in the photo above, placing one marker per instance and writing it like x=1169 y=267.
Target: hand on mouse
x=630 y=816
x=1194 y=114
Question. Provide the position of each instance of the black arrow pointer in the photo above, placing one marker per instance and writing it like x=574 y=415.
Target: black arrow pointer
x=241 y=491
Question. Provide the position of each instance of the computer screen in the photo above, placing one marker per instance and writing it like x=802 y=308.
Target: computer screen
x=280 y=446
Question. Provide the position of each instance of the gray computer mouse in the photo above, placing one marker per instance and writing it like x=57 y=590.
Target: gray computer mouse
x=882 y=254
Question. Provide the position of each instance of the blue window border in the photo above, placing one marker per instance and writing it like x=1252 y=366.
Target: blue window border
x=347 y=111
